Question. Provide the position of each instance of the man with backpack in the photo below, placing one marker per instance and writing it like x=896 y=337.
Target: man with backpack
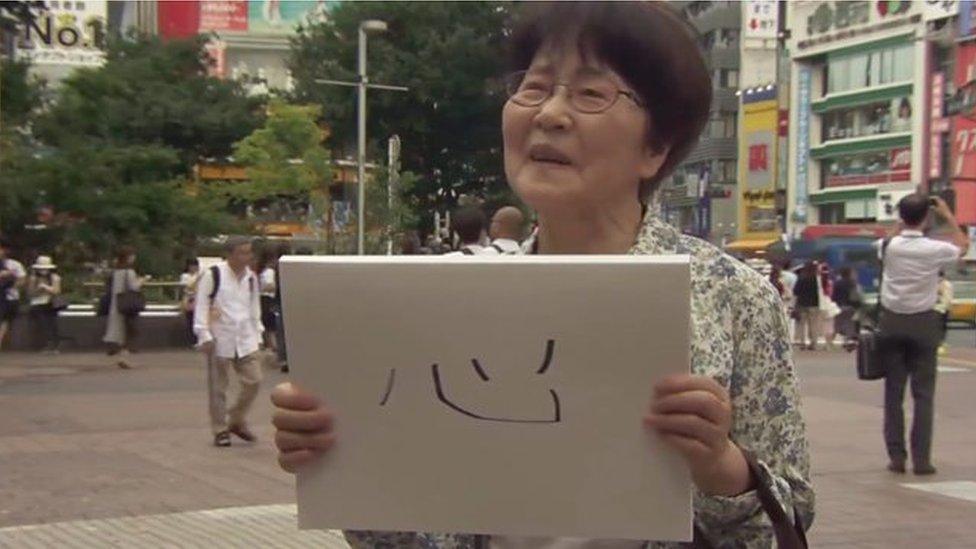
x=469 y=223
x=227 y=323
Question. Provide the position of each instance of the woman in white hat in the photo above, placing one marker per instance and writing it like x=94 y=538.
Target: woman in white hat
x=42 y=286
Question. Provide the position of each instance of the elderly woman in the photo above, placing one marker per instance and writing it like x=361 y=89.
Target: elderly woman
x=606 y=99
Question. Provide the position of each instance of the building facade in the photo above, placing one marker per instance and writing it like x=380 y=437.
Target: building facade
x=862 y=75
x=699 y=199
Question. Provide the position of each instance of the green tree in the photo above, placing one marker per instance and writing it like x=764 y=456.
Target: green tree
x=152 y=92
x=285 y=157
x=449 y=55
x=20 y=95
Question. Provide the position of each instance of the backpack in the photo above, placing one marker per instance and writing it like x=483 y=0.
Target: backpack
x=215 y=274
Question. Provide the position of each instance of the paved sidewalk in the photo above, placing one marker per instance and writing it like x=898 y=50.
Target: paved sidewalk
x=101 y=457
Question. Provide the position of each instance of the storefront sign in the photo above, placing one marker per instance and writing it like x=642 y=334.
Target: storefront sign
x=828 y=22
x=936 y=124
x=939 y=9
x=67 y=33
x=762 y=19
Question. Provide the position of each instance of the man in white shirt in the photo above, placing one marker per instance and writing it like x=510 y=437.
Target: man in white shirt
x=910 y=328
x=506 y=230
x=469 y=223
x=227 y=322
x=12 y=278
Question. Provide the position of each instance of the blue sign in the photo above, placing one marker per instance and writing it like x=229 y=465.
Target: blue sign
x=965 y=18
x=802 y=144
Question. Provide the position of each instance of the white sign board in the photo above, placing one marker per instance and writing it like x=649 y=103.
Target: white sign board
x=939 y=9
x=491 y=395
x=66 y=33
x=761 y=19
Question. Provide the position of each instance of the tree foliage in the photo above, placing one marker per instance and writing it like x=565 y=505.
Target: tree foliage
x=450 y=56
x=152 y=92
x=285 y=157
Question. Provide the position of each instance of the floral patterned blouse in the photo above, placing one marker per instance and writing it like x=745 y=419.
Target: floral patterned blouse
x=740 y=339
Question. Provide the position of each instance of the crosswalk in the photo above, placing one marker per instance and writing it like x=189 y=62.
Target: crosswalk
x=233 y=527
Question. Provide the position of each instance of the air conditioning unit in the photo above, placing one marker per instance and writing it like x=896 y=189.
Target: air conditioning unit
x=888 y=204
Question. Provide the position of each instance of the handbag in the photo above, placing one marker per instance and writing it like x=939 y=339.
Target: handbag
x=59 y=302
x=788 y=535
x=870 y=359
x=130 y=302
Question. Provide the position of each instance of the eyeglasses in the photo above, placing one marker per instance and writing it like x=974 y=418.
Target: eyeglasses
x=589 y=94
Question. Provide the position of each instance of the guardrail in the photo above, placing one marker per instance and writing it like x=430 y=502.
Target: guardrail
x=155 y=292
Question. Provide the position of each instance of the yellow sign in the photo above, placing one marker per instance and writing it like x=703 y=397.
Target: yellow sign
x=757 y=171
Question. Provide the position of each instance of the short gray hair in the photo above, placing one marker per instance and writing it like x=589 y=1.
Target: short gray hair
x=234 y=242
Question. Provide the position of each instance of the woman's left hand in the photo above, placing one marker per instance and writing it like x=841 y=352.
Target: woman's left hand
x=693 y=414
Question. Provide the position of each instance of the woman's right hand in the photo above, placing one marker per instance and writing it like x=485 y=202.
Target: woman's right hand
x=303 y=426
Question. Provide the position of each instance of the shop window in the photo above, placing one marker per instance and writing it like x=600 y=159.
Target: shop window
x=729 y=38
x=867 y=120
x=723 y=127
x=877 y=68
x=890 y=166
x=831 y=214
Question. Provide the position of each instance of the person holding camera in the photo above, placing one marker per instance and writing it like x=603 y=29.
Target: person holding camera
x=911 y=330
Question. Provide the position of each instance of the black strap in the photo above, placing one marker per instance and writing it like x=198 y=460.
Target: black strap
x=787 y=535
x=467 y=251
x=877 y=306
x=215 y=274
x=499 y=248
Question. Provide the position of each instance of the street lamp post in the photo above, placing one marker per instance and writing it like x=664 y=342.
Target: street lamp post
x=370 y=25
x=373 y=25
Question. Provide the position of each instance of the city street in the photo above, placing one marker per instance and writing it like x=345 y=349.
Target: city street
x=94 y=456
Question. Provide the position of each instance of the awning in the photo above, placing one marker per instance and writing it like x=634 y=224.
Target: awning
x=747 y=245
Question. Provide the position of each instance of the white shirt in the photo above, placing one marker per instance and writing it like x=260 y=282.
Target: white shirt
x=13 y=293
x=789 y=279
x=508 y=246
x=478 y=249
x=912 y=263
x=235 y=322
x=267 y=279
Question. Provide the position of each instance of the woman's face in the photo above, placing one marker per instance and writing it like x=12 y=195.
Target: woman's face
x=559 y=159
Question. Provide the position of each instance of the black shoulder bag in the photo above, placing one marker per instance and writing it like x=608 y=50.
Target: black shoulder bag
x=870 y=362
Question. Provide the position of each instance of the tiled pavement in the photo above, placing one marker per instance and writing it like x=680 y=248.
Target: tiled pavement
x=92 y=456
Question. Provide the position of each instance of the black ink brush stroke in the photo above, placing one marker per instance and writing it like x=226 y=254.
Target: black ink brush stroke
x=550 y=347
x=557 y=411
x=389 y=386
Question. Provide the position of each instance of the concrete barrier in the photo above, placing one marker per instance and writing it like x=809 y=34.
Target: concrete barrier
x=160 y=326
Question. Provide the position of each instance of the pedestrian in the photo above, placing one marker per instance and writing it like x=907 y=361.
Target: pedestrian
x=12 y=278
x=828 y=308
x=470 y=225
x=227 y=322
x=506 y=229
x=409 y=244
x=943 y=306
x=121 y=329
x=847 y=294
x=607 y=99
x=910 y=328
x=43 y=287
x=784 y=291
x=789 y=281
x=267 y=272
x=808 y=306
x=188 y=287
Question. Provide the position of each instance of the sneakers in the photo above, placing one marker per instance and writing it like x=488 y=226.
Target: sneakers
x=243 y=432
x=222 y=439
x=896 y=466
x=924 y=469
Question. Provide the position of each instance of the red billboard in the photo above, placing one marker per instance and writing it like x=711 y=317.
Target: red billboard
x=223 y=15
x=963 y=166
x=178 y=19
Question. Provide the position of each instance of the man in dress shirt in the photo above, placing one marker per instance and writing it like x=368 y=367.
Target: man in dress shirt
x=227 y=322
x=506 y=230
x=910 y=328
